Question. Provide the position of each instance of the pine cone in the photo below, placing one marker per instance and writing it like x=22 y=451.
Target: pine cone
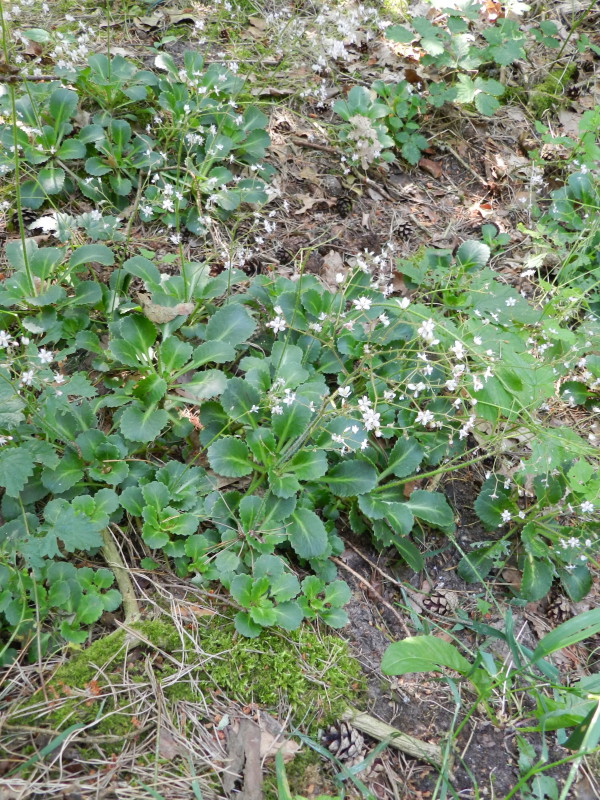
x=343 y=206
x=438 y=603
x=345 y=743
x=284 y=256
x=558 y=609
x=29 y=215
x=403 y=229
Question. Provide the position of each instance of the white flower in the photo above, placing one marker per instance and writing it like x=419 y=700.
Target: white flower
x=289 y=397
x=388 y=395
x=4 y=440
x=278 y=324
x=27 y=377
x=277 y=410
x=403 y=302
x=477 y=340
x=458 y=349
x=344 y=391
x=362 y=304
x=425 y=331
x=424 y=417
x=364 y=404
x=5 y=339
x=371 y=420
x=384 y=319
x=505 y=516
x=587 y=507
x=58 y=377
x=339 y=277
x=512 y=301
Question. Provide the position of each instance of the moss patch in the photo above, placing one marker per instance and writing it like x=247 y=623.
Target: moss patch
x=549 y=93
x=312 y=675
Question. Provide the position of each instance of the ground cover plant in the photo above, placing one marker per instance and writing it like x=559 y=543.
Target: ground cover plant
x=200 y=384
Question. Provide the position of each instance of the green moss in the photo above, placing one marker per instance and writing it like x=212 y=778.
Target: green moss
x=314 y=676
x=549 y=93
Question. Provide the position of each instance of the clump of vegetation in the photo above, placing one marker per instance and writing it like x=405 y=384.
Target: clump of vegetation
x=313 y=675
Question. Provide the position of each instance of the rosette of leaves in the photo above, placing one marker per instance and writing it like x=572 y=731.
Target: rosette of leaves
x=405 y=109
x=363 y=102
x=45 y=115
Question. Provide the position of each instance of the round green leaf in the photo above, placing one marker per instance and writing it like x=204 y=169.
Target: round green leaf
x=230 y=457
x=231 y=324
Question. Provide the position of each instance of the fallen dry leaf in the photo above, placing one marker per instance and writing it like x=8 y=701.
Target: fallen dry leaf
x=308 y=202
x=168 y=746
x=434 y=168
x=333 y=264
x=161 y=314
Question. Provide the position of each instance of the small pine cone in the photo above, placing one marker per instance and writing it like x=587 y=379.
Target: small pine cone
x=558 y=609
x=343 y=206
x=403 y=229
x=345 y=743
x=29 y=215
x=284 y=256
x=438 y=603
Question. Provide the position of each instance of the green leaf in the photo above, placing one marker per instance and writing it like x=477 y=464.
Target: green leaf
x=89 y=609
x=337 y=593
x=288 y=615
x=350 y=478
x=241 y=590
x=238 y=398
x=143 y=269
x=486 y=104
x=404 y=458
x=230 y=457
x=245 y=626
x=138 y=331
x=213 y=352
x=173 y=354
x=68 y=472
x=308 y=464
x=577 y=582
x=334 y=617
x=231 y=324
x=204 y=385
x=62 y=105
x=307 y=533
x=422 y=654
x=409 y=552
x=51 y=179
x=143 y=424
x=537 y=578
x=491 y=501
x=284 y=485
x=16 y=467
x=399 y=517
x=399 y=33
x=11 y=403
x=433 y=508
x=291 y=422
x=570 y=632
x=472 y=254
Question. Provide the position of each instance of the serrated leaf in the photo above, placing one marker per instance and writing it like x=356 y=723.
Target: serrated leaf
x=491 y=501
x=291 y=422
x=308 y=464
x=143 y=424
x=231 y=324
x=65 y=475
x=16 y=467
x=230 y=457
x=350 y=478
x=399 y=517
x=238 y=399
x=404 y=458
x=203 y=385
x=433 y=508
x=307 y=533
x=289 y=615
